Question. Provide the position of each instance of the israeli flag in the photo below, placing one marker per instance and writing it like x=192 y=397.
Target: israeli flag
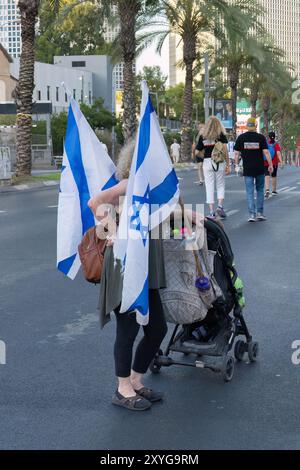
x=152 y=194
x=86 y=169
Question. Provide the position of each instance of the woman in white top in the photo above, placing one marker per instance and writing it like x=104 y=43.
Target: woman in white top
x=214 y=132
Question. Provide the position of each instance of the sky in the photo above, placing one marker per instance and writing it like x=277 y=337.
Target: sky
x=149 y=57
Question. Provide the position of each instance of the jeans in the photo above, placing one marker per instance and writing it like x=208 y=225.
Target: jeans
x=260 y=188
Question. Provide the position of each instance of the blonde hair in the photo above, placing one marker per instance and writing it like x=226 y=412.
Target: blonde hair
x=213 y=129
x=125 y=159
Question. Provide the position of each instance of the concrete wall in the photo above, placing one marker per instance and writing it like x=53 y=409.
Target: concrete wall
x=100 y=66
x=48 y=75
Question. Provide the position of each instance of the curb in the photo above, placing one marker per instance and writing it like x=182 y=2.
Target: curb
x=28 y=186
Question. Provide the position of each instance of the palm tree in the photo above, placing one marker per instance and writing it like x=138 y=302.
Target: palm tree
x=24 y=89
x=196 y=23
x=237 y=51
x=131 y=14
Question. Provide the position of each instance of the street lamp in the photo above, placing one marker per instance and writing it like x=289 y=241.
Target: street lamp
x=81 y=78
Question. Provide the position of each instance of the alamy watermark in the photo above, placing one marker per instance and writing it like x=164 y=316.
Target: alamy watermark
x=2 y=353
x=296 y=352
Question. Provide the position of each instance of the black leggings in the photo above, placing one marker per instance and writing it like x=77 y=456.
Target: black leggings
x=127 y=330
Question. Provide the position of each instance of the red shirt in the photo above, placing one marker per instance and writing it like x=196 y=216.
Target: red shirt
x=275 y=160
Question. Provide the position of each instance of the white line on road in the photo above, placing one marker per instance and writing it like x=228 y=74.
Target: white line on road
x=234 y=211
x=282 y=189
x=289 y=189
x=52 y=207
x=2 y=212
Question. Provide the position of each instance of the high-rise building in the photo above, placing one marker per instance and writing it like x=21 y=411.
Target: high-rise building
x=176 y=73
x=111 y=31
x=10 y=27
x=282 y=21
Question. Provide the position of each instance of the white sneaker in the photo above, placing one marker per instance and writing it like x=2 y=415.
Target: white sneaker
x=261 y=217
x=252 y=218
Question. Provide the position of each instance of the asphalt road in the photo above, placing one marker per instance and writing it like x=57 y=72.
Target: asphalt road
x=56 y=386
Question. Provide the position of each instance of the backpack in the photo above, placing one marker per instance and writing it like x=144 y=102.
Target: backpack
x=218 y=155
x=272 y=151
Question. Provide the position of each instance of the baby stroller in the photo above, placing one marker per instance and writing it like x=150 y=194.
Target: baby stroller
x=212 y=339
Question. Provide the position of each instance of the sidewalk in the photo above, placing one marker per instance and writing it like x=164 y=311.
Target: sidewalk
x=49 y=183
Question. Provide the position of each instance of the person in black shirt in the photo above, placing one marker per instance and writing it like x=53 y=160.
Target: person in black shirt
x=252 y=147
x=212 y=133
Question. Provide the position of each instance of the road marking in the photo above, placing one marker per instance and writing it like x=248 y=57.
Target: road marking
x=282 y=189
x=290 y=189
x=234 y=211
x=2 y=212
x=52 y=207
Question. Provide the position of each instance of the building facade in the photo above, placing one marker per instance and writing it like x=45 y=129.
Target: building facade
x=7 y=81
x=10 y=27
x=282 y=21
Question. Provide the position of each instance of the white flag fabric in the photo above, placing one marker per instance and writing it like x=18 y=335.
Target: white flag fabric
x=86 y=169
x=152 y=194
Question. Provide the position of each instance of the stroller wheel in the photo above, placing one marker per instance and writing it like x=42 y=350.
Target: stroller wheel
x=227 y=370
x=253 y=350
x=239 y=350
x=154 y=366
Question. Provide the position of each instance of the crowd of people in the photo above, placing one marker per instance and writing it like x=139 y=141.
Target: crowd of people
x=252 y=155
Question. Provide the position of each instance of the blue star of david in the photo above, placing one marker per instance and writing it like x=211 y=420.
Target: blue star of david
x=135 y=221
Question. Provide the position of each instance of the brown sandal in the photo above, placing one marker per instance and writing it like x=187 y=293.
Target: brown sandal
x=136 y=403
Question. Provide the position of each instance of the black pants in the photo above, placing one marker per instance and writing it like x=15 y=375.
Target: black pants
x=127 y=330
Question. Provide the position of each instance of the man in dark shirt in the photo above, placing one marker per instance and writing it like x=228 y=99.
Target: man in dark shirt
x=252 y=147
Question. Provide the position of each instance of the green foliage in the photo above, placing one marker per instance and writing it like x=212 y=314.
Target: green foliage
x=156 y=82
x=72 y=29
x=39 y=128
x=174 y=101
x=97 y=115
x=58 y=129
x=169 y=136
x=7 y=120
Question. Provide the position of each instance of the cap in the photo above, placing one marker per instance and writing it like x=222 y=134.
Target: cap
x=251 y=123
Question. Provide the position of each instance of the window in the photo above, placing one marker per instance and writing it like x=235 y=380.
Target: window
x=74 y=94
x=78 y=63
x=90 y=97
x=48 y=93
x=39 y=95
x=66 y=97
x=57 y=93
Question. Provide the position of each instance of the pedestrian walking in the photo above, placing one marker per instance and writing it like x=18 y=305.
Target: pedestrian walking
x=199 y=157
x=213 y=136
x=175 y=151
x=252 y=147
x=275 y=152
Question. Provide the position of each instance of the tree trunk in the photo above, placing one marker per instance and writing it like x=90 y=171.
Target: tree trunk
x=266 y=102
x=187 y=115
x=233 y=82
x=253 y=101
x=234 y=106
x=128 y=10
x=24 y=89
x=189 y=57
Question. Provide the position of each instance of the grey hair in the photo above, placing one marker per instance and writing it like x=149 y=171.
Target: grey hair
x=125 y=159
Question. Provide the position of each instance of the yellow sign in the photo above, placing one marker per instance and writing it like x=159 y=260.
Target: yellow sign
x=119 y=102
